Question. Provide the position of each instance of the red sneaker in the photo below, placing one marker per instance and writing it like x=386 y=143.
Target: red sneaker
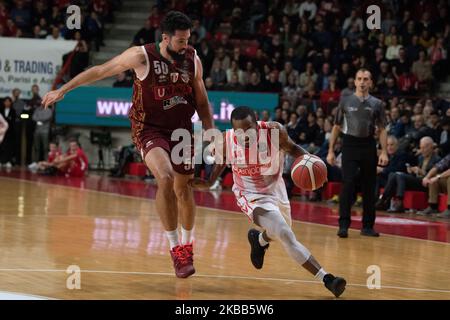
x=182 y=262
x=189 y=253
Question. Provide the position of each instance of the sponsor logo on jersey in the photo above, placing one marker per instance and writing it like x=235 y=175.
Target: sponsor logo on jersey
x=174 y=76
x=160 y=92
x=172 y=102
x=185 y=77
x=162 y=78
x=165 y=92
x=250 y=170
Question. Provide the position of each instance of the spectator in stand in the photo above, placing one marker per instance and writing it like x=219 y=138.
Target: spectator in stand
x=426 y=40
x=55 y=35
x=331 y=95
x=3 y=129
x=209 y=11
x=309 y=137
x=308 y=10
x=397 y=163
x=272 y=85
x=393 y=50
x=291 y=92
x=354 y=18
x=94 y=28
x=438 y=57
x=255 y=83
x=144 y=35
x=401 y=65
x=155 y=17
x=399 y=182
x=21 y=15
x=265 y=116
x=350 y=89
x=199 y=29
x=206 y=55
x=80 y=59
x=422 y=68
x=285 y=116
x=222 y=58
x=437 y=180
x=234 y=69
x=218 y=75
x=307 y=77
x=408 y=84
x=233 y=84
x=42 y=118
x=322 y=81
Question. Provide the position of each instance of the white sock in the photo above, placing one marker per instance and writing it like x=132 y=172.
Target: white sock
x=186 y=235
x=320 y=274
x=262 y=241
x=172 y=236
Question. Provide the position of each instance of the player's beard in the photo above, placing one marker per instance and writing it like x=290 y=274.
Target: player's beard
x=179 y=57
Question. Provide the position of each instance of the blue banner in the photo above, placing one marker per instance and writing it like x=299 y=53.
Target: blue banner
x=108 y=107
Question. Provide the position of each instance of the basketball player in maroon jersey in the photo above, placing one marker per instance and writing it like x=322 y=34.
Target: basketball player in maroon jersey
x=168 y=89
x=260 y=190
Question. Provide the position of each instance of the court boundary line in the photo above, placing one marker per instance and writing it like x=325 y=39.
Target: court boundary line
x=217 y=209
x=143 y=273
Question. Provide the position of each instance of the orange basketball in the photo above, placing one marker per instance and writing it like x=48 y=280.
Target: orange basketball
x=309 y=172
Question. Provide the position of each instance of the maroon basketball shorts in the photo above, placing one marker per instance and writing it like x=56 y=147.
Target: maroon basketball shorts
x=146 y=138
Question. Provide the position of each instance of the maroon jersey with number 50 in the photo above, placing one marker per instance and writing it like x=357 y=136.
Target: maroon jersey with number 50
x=163 y=98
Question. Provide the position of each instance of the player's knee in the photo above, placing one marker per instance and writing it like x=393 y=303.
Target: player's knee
x=183 y=193
x=165 y=181
x=286 y=235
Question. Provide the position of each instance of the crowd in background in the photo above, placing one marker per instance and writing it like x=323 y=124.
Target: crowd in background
x=307 y=52
x=46 y=19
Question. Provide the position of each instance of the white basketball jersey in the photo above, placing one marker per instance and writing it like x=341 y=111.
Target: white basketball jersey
x=263 y=177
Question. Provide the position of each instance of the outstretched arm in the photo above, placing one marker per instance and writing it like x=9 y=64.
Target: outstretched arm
x=201 y=97
x=131 y=58
x=217 y=168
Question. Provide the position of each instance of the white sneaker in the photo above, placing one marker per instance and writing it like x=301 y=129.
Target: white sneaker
x=33 y=167
x=216 y=185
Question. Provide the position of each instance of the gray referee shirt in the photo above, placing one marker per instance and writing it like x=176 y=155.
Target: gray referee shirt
x=358 y=117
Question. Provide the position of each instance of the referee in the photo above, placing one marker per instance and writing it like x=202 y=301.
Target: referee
x=358 y=115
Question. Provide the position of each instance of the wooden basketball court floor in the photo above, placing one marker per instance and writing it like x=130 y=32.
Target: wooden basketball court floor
x=116 y=239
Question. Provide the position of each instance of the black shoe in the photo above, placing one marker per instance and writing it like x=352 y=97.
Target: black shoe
x=342 y=233
x=369 y=233
x=382 y=204
x=257 y=251
x=335 y=284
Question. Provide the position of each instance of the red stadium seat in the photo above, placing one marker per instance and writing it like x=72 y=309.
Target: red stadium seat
x=442 y=202
x=417 y=200
x=330 y=189
x=137 y=169
x=228 y=180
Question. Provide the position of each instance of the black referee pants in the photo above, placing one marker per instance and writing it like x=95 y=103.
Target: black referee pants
x=358 y=153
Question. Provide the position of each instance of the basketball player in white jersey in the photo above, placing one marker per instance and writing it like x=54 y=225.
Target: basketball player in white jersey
x=3 y=128
x=260 y=190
